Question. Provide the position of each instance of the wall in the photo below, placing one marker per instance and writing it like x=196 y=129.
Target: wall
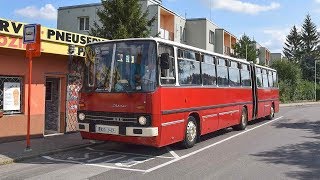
x=195 y=30
x=14 y=63
x=211 y=27
x=219 y=46
x=68 y=18
x=178 y=33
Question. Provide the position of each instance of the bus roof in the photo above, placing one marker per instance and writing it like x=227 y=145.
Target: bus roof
x=182 y=46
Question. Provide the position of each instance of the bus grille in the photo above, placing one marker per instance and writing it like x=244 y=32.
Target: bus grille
x=105 y=118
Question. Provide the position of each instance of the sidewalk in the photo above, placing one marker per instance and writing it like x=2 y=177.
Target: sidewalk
x=15 y=151
x=299 y=104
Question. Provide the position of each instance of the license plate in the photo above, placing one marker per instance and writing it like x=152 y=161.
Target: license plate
x=107 y=129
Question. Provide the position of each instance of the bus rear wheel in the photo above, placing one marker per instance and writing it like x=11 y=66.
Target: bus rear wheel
x=191 y=133
x=271 y=115
x=243 y=121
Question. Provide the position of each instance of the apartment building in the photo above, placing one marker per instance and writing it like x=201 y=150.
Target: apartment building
x=197 y=32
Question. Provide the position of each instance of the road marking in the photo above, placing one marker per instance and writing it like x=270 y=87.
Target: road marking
x=112 y=167
x=174 y=154
x=136 y=154
x=97 y=165
x=209 y=146
x=61 y=160
x=111 y=155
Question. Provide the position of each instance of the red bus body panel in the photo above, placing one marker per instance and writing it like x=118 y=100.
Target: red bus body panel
x=216 y=108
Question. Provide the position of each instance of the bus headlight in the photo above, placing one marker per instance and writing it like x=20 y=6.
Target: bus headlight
x=142 y=120
x=81 y=116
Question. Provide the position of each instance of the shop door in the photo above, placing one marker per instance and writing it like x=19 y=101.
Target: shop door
x=52 y=114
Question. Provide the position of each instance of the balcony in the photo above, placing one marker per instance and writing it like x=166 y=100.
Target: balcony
x=166 y=24
x=164 y=34
x=227 y=50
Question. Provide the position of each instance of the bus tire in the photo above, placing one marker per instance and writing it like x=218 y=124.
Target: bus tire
x=271 y=115
x=243 y=121
x=191 y=133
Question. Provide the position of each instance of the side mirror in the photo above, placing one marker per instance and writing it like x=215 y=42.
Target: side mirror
x=164 y=61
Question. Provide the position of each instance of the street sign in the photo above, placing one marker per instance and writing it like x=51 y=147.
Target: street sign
x=29 y=33
x=31 y=37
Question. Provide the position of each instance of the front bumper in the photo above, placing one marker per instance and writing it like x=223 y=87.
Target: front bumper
x=122 y=131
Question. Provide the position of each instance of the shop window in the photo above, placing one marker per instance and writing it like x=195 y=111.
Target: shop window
x=11 y=89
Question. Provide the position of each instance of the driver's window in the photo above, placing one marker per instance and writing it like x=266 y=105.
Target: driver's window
x=167 y=76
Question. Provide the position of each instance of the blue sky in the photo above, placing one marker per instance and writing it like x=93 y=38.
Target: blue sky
x=267 y=21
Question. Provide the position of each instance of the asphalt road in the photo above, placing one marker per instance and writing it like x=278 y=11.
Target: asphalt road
x=287 y=147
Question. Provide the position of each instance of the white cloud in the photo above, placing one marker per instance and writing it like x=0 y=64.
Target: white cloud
x=276 y=39
x=48 y=11
x=242 y=7
x=317 y=1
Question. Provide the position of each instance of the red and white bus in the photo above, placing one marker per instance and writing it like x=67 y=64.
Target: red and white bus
x=156 y=92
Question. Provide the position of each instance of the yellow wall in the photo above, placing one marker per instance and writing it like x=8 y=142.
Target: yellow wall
x=53 y=41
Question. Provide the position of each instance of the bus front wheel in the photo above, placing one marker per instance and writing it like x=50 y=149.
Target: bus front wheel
x=191 y=133
x=243 y=121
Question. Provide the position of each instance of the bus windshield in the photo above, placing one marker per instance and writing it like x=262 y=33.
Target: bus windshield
x=125 y=66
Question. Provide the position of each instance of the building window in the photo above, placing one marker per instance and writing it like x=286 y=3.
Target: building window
x=211 y=37
x=84 y=23
x=11 y=94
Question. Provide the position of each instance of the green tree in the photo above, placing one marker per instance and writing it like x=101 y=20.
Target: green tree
x=293 y=45
x=310 y=41
x=122 y=19
x=246 y=48
x=292 y=86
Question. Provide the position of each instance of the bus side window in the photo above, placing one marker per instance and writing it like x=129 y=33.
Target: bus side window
x=245 y=75
x=189 y=68
x=222 y=72
x=259 y=77
x=208 y=70
x=275 y=79
x=234 y=74
x=270 y=79
x=265 y=81
x=167 y=75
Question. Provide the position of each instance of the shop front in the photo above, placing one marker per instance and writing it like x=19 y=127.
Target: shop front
x=56 y=80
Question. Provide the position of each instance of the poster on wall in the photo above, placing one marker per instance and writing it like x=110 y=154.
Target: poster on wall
x=11 y=96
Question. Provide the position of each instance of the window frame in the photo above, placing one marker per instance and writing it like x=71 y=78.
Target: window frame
x=18 y=79
x=85 y=23
x=211 y=37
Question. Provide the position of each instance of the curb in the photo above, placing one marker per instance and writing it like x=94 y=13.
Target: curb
x=22 y=158
x=299 y=104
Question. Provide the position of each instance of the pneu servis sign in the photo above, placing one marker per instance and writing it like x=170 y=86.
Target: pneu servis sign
x=54 y=40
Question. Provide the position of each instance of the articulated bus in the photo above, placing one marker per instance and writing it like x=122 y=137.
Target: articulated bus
x=156 y=92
